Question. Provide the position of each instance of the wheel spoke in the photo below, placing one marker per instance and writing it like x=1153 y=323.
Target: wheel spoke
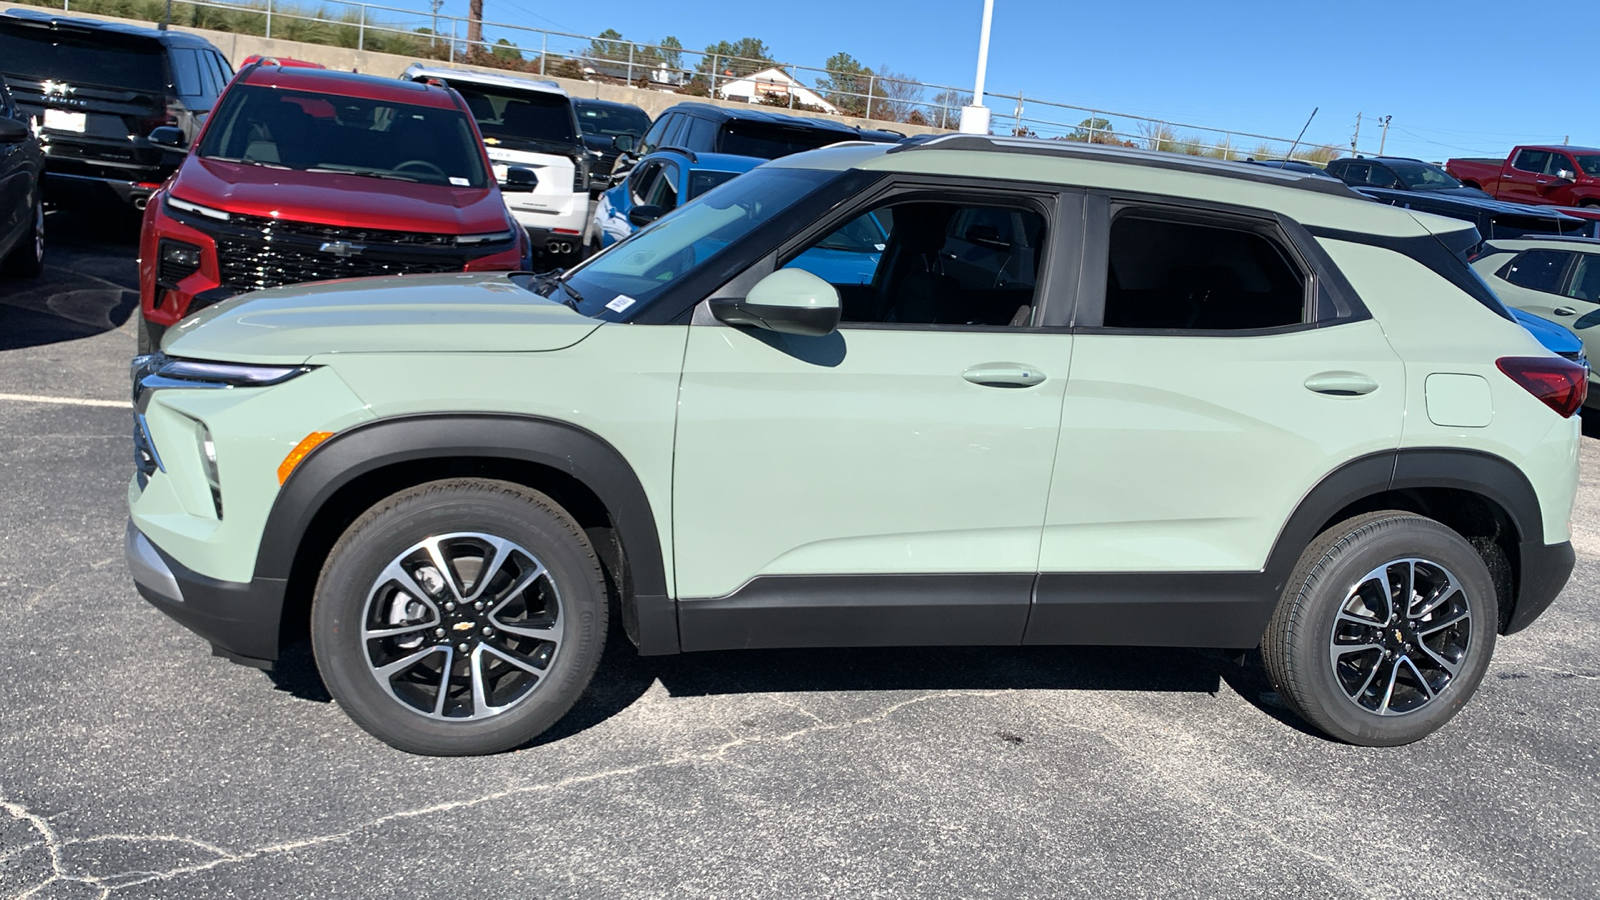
x=1423 y=681
x=1411 y=588
x=446 y=572
x=1388 y=693
x=1337 y=652
x=515 y=660
x=491 y=567
x=551 y=633
x=1444 y=593
x=444 y=680
x=1372 y=674
x=397 y=573
x=413 y=628
x=1453 y=668
x=1455 y=618
x=480 y=695
x=525 y=582
x=385 y=672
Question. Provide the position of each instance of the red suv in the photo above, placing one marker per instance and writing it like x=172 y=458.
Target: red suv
x=306 y=174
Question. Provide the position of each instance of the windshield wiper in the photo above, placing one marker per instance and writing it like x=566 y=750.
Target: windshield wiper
x=552 y=280
x=365 y=173
x=250 y=162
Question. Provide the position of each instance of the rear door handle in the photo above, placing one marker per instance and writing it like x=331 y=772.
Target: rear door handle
x=1565 y=311
x=1004 y=375
x=1341 y=384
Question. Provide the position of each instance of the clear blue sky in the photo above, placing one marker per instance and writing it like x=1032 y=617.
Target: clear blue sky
x=1467 y=77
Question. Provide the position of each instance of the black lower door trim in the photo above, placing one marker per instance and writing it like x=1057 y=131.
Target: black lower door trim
x=861 y=611
x=1199 y=609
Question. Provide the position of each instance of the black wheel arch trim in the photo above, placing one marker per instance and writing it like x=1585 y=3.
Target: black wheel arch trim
x=566 y=448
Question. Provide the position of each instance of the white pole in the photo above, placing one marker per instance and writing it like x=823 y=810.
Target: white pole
x=975 y=118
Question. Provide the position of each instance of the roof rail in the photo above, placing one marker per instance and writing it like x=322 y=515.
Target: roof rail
x=684 y=150
x=1127 y=156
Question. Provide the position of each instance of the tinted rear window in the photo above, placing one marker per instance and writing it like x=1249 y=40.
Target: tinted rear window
x=38 y=55
x=609 y=120
x=766 y=141
x=510 y=117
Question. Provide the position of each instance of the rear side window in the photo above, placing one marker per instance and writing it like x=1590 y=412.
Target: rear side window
x=1586 y=279
x=702 y=134
x=767 y=141
x=186 y=74
x=1172 y=274
x=1532 y=160
x=1537 y=270
x=120 y=64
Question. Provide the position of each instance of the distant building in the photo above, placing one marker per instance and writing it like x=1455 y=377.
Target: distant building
x=759 y=86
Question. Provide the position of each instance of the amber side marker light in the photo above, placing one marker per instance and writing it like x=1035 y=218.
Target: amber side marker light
x=306 y=445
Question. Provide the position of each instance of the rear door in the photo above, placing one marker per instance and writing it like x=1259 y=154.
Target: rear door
x=1541 y=274
x=1521 y=181
x=1218 y=374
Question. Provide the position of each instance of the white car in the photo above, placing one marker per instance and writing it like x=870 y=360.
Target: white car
x=529 y=124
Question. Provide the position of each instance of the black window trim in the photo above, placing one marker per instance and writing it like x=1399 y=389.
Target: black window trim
x=1331 y=299
x=1056 y=286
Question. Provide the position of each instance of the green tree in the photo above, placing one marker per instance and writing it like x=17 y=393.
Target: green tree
x=1093 y=130
x=671 y=52
x=735 y=59
x=845 y=85
x=609 y=45
x=504 y=49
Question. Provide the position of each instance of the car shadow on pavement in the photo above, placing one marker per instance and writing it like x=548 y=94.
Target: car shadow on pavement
x=89 y=285
x=1591 y=422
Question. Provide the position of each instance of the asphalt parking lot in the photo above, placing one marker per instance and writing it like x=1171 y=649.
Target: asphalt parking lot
x=134 y=764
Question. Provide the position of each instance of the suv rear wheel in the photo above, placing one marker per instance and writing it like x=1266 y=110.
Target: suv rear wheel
x=459 y=617
x=26 y=259
x=1384 y=630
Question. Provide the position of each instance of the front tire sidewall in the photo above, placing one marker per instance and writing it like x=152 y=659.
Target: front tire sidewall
x=508 y=511
x=1303 y=674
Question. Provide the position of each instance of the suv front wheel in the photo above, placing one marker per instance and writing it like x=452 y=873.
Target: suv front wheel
x=460 y=617
x=1384 y=630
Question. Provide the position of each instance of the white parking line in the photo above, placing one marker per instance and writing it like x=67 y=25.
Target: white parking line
x=65 y=401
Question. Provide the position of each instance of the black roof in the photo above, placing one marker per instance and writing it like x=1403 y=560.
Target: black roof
x=1128 y=156
x=605 y=104
x=724 y=114
x=44 y=18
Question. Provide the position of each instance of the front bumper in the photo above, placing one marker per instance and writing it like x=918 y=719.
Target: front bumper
x=242 y=621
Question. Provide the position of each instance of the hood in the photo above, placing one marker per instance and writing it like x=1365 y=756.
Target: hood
x=331 y=198
x=477 y=313
x=1555 y=338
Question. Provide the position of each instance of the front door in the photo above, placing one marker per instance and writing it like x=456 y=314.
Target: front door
x=887 y=483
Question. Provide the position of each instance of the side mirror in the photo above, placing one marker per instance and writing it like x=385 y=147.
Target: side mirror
x=14 y=132
x=519 y=180
x=1566 y=175
x=789 y=301
x=623 y=143
x=644 y=215
x=168 y=136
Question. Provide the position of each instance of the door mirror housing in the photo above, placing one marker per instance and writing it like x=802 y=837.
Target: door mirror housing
x=168 y=136
x=641 y=216
x=1566 y=175
x=623 y=143
x=789 y=301
x=519 y=180
x=13 y=131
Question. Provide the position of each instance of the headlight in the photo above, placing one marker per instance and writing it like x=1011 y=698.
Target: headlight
x=197 y=209
x=155 y=371
x=493 y=237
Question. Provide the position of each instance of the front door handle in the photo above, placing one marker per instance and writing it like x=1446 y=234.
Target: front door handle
x=1565 y=311
x=1004 y=374
x=1341 y=384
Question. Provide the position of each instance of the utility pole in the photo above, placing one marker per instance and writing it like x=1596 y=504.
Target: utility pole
x=437 y=5
x=975 y=116
x=1355 y=139
x=1385 y=138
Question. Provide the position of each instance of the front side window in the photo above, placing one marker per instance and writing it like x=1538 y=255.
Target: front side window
x=517 y=119
x=702 y=180
x=1586 y=279
x=933 y=263
x=1588 y=163
x=652 y=138
x=316 y=132
x=664 y=192
x=1423 y=177
x=630 y=276
x=1558 y=164
x=1174 y=274
x=1537 y=270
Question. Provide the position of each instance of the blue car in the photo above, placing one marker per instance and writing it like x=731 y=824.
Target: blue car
x=659 y=184
x=1556 y=338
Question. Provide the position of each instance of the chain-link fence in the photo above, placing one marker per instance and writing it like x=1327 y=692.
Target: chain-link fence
x=863 y=93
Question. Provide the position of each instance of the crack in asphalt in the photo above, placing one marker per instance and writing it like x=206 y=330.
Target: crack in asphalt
x=106 y=884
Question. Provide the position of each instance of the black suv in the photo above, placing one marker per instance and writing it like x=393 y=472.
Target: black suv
x=1414 y=184
x=704 y=128
x=100 y=89
x=602 y=120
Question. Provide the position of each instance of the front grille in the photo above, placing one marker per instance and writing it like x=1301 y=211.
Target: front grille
x=256 y=252
x=250 y=265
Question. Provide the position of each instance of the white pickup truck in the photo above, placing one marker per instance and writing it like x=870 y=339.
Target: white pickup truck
x=529 y=124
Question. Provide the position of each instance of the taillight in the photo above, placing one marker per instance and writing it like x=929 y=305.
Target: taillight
x=1559 y=384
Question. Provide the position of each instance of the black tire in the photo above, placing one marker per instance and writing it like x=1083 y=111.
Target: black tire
x=148 y=335
x=1327 y=590
x=1589 y=202
x=26 y=259
x=349 y=593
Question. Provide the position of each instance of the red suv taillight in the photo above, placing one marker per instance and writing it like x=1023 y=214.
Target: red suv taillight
x=1559 y=384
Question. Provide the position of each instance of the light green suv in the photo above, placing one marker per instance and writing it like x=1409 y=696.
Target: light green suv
x=1556 y=279
x=1078 y=395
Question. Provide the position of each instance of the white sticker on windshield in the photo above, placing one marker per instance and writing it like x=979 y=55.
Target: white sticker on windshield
x=459 y=182
x=620 y=303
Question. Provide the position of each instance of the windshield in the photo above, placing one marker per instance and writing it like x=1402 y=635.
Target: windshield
x=703 y=180
x=36 y=54
x=613 y=120
x=1589 y=163
x=1423 y=177
x=509 y=117
x=625 y=279
x=289 y=129
x=767 y=141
